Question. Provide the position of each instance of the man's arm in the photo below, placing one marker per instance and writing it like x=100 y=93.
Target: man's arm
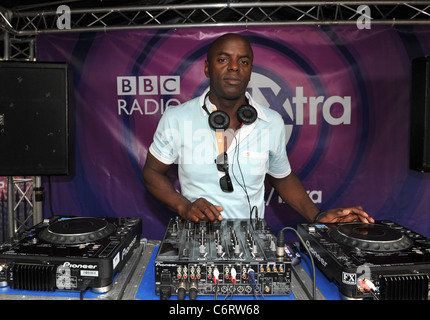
x=292 y=191
x=158 y=184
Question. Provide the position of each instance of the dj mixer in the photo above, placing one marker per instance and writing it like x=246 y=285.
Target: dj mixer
x=230 y=257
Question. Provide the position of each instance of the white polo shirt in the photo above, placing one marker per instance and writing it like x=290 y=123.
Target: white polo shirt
x=184 y=137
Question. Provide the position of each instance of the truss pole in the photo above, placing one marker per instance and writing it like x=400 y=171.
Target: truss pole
x=37 y=197
x=6 y=36
x=10 y=208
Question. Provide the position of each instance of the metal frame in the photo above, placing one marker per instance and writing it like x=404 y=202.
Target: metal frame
x=27 y=192
x=20 y=26
x=27 y=23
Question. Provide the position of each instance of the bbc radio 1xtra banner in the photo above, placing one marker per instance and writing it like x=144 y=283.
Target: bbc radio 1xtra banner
x=343 y=92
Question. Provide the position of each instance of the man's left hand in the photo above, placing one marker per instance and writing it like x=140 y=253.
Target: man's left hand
x=350 y=214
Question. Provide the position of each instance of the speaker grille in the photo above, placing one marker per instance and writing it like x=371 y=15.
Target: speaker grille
x=34 y=118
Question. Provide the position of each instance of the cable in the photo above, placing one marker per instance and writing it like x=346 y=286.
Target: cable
x=280 y=244
x=368 y=286
x=216 y=276
x=233 y=275
x=84 y=287
x=216 y=281
x=254 y=285
x=236 y=154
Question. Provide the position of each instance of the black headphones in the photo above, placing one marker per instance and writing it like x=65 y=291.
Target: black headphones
x=218 y=119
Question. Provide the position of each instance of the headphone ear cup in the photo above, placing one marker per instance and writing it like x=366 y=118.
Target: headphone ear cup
x=219 y=120
x=246 y=114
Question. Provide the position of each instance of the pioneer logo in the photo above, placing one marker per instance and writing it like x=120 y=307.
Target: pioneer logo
x=316 y=254
x=160 y=264
x=79 y=266
x=126 y=250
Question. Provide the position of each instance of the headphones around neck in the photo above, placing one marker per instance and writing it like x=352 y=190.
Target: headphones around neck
x=219 y=120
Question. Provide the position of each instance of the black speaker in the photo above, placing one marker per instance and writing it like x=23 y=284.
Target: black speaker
x=419 y=153
x=34 y=119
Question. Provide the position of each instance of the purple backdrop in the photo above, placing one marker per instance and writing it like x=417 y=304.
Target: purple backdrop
x=343 y=93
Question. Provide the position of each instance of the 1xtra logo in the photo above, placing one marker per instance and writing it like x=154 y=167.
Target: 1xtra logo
x=266 y=91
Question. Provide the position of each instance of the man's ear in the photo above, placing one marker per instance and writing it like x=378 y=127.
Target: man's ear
x=206 y=69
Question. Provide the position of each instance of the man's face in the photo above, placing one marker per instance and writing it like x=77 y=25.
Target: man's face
x=229 y=67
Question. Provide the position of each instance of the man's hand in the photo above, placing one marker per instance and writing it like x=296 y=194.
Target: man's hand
x=201 y=210
x=350 y=214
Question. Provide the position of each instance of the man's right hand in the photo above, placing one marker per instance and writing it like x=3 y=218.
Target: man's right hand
x=158 y=184
x=201 y=210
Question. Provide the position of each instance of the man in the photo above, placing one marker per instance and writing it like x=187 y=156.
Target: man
x=222 y=172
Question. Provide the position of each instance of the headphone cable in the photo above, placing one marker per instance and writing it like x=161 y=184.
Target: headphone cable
x=236 y=153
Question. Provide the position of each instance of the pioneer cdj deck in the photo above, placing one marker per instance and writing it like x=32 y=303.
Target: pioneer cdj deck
x=69 y=253
x=229 y=257
x=377 y=261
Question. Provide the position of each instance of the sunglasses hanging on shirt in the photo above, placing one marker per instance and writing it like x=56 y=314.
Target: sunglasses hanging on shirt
x=222 y=165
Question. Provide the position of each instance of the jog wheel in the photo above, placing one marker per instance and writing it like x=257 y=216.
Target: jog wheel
x=370 y=237
x=77 y=230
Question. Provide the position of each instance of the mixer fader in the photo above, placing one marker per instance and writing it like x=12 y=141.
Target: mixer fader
x=229 y=257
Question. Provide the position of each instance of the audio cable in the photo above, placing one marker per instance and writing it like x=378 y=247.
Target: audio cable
x=280 y=244
x=216 y=281
x=368 y=286
x=243 y=184
x=254 y=285
x=233 y=275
